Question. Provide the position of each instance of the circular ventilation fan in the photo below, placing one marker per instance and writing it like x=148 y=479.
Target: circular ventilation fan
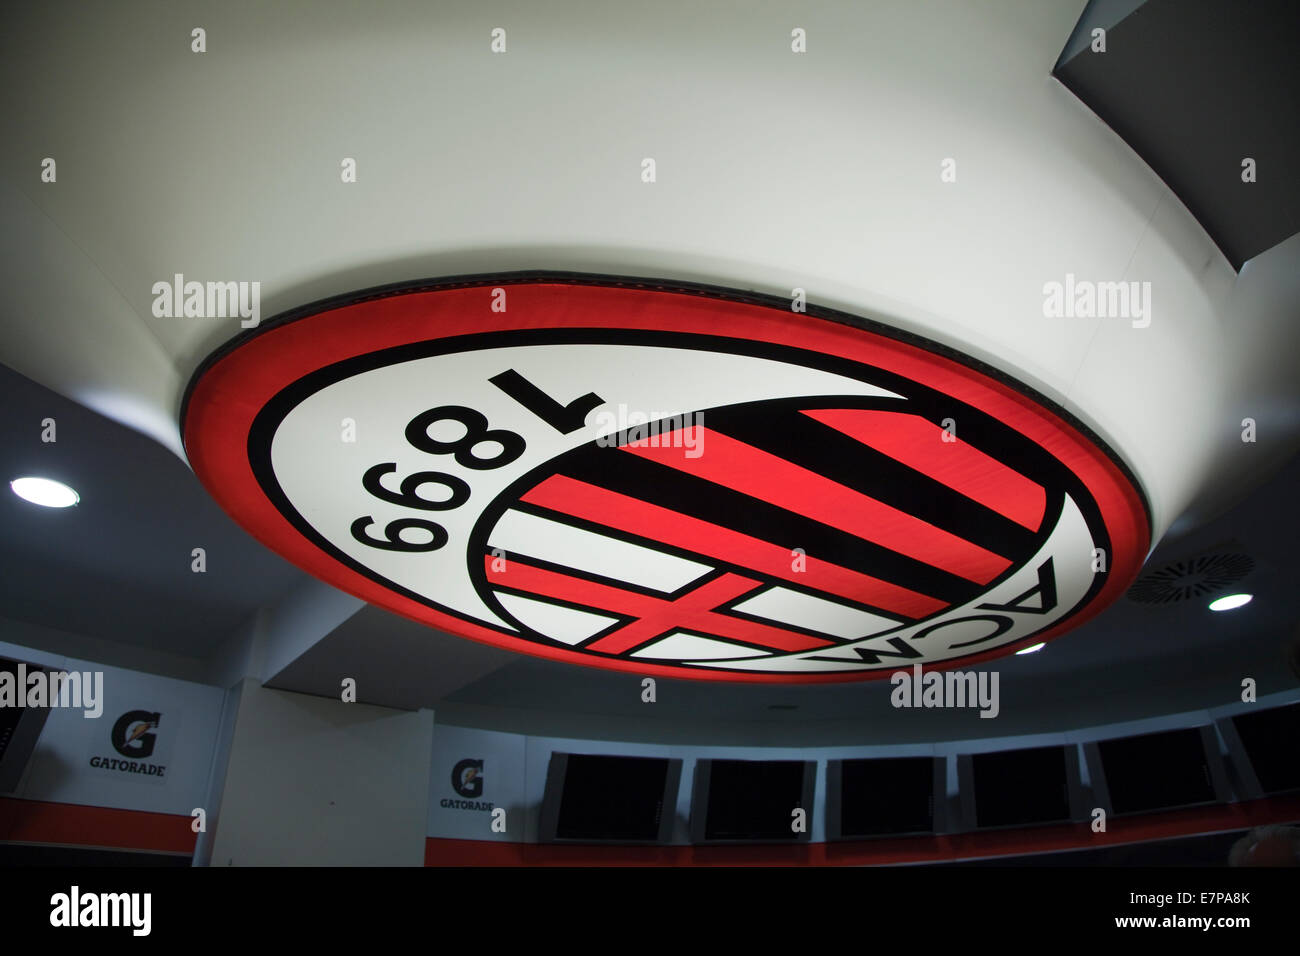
x=1194 y=577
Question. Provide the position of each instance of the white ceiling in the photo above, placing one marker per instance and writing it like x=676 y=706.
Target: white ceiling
x=119 y=566
x=775 y=170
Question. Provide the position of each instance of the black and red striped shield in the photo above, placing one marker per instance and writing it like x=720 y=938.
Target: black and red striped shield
x=668 y=481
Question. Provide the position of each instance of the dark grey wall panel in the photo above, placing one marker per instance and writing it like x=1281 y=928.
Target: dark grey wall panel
x=1194 y=87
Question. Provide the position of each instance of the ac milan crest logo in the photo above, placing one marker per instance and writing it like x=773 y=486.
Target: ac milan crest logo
x=667 y=481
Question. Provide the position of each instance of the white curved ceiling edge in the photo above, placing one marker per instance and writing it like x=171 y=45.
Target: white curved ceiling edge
x=775 y=170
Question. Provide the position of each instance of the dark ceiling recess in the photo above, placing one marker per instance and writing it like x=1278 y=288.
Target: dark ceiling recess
x=1195 y=87
x=1194 y=577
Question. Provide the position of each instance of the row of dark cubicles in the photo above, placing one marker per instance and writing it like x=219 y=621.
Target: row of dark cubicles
x=606 y=798
x=609 y=798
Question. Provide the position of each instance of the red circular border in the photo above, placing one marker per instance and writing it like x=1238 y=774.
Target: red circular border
x=228 y=394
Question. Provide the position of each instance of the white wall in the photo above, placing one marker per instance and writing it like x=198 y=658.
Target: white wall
x=60 y=771
x=317 y=782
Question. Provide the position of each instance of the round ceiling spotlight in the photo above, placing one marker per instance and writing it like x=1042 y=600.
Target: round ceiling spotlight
x=45 y=492
x=664 y=479
x=1231 y=601
x=1191 y=578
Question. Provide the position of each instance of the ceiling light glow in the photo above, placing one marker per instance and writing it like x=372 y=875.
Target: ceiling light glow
x=44 y=492
x=1230 y=601
x=1030 y=650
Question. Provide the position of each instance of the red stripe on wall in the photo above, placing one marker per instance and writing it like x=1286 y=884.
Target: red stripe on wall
x=767 y=477
x=920 y=445
x=573 y=497
x=70 y=824
x=935 y=849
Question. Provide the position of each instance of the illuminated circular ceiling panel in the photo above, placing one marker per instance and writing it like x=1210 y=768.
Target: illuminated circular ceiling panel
x=670 y=480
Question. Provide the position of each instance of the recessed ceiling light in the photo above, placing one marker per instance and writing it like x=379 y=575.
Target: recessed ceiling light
x=43 y=491
x=1031 y=649
x=1230 y=601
